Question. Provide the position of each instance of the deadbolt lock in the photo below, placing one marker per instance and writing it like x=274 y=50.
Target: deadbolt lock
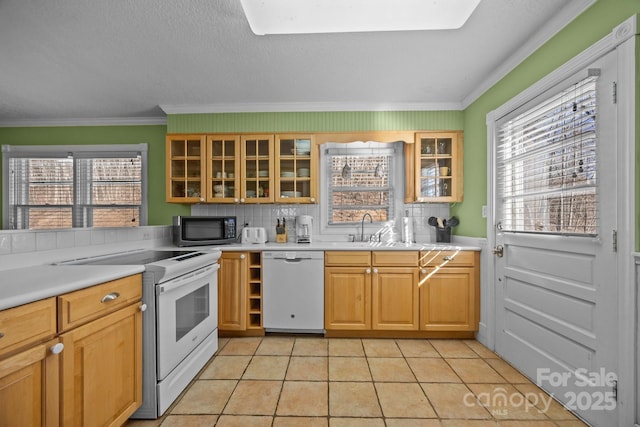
x=498 y=251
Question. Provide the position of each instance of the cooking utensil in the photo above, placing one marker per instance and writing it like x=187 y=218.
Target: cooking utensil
x=453 y=222
x=440 y=223
x=346 y=169
x=432 y=221
x=378 y=172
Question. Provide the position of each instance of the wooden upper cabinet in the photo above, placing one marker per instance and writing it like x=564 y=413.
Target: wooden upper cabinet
x=185 y=166
x=257 y=184
x=296 y=174
x=434 y=167
x=223 y=169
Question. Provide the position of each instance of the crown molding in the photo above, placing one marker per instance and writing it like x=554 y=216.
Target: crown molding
x=543 y=35
x=104 y=121
x=292 y=107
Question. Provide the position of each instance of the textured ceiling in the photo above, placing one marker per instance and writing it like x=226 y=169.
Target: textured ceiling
x=81 y=60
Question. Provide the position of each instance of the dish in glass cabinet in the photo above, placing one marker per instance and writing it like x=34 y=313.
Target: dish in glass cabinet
x=287 y=174
x=303 y=172
x=263 y=173
x=291 y=194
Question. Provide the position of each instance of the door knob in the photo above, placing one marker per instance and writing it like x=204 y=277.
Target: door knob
x=498 y=251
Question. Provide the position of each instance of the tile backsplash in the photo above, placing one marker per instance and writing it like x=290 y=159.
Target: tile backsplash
x=267 y=214
x=20 y=248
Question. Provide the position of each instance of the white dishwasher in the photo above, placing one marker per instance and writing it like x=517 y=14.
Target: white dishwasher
x=293 y=291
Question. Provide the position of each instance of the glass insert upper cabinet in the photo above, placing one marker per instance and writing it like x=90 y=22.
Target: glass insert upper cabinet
x=257 y=184
x=185 y=168
x=223 y=168
x=295 y=169
x=438 y=167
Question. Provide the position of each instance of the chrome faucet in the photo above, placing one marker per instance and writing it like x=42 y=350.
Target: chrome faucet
x=362 y=225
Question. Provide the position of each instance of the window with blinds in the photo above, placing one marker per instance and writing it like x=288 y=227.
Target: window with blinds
x=365 y=185
x=547 y=165
x=79 y=186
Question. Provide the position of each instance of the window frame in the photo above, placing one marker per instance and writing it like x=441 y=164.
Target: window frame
x=396 y=149
x=80 y=152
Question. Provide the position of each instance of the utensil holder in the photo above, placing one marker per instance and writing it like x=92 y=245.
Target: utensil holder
x=443 y=235
x=281 y=238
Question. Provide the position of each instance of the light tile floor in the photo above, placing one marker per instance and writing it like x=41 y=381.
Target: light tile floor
x=287 y=381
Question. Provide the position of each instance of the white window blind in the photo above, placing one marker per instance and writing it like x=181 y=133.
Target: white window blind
x=368 y=187
x=74 y=186
x=547 y=165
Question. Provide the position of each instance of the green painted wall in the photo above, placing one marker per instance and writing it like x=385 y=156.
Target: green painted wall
x=340 y=121
x=591 y=26
x=160 y=212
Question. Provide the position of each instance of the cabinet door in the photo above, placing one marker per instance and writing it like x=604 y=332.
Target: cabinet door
x=232 y=291
x=296 y=169
x=185 y=168
x=347 y=298
x=102 y=370
x=395 y=298
x=438 y=167
x=449 y=300
x=29 y=387
x=223 y=169
x=257 y=185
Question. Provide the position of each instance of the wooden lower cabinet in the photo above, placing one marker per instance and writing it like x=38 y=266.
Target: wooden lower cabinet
x=449 y=294
x=29 y=365
x=102 y=370
x=232 y=291
x=402 y=293
x=29 y=387
x=394 y=304
x=362 y=291
x=347 y=298
x=240 y=294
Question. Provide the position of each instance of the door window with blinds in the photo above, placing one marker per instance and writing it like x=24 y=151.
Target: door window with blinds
x=547 y=164
x=360 y=180
x=48 y=187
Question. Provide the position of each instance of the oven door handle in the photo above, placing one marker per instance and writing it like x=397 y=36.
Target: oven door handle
x=186 y=279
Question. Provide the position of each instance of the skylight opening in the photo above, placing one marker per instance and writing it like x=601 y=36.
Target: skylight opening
x=346 y=16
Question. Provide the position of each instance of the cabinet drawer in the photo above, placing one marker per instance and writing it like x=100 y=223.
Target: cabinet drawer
x=395 y=258
x=347 y=258
x=79 y=307
x=448 y=258
x=27 y=324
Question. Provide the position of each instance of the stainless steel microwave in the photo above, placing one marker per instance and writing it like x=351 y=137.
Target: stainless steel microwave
x=204 y=230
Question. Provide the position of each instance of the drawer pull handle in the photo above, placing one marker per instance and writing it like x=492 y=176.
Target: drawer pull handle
x=1 y=334
x=110 y=297
x=449 y=258
x=57 y=348
x=143 y=307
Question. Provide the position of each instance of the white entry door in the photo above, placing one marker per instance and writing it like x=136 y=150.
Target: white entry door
x=555 y=283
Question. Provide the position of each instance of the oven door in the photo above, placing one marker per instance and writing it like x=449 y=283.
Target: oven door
x=187 y=314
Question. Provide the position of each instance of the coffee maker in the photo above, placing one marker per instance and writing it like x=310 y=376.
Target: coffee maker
x=303 y=228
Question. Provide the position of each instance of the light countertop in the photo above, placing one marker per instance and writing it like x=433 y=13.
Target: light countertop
x=341 y=246
x=23 y=285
